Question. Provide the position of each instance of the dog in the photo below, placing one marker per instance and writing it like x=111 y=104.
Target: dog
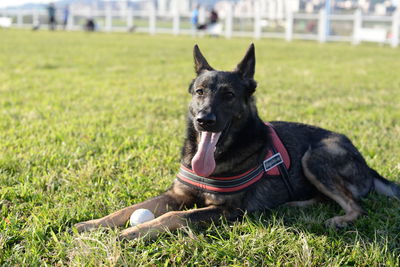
x=232 y=162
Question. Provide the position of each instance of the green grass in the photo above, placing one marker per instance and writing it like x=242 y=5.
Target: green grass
x=91 y=123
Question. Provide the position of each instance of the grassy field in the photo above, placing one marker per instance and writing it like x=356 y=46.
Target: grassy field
x=91 y=123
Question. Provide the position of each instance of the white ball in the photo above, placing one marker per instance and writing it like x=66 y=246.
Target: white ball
x=140 y=216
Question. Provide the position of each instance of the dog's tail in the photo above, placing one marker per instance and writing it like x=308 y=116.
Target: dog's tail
x=385 y=187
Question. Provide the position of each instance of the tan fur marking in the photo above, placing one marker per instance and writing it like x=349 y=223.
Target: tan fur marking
x=219 y=200
x=179 y=189
x=304 y=203
x=333 y=147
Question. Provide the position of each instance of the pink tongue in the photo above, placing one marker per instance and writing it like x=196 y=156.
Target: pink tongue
x=203 y=162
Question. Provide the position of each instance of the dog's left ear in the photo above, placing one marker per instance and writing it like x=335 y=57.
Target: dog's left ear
x=246 y=67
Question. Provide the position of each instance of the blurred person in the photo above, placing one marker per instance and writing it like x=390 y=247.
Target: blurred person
x=194 y=19
x=65 y=17
x=214 y=28
x=51 y=10
x=90 y=25
x=213 y=17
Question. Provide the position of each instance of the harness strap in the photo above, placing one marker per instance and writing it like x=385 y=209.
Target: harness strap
x=285 y=177
x=220 y=184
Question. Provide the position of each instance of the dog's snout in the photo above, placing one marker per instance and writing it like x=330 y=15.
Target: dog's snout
x=206 y=119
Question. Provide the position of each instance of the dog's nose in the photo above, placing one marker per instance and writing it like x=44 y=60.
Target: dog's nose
x=206 y=119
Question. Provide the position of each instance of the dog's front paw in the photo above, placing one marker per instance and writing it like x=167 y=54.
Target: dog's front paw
x=86 y=226
x=129 y=234
x=141 y=231
x=337 y=222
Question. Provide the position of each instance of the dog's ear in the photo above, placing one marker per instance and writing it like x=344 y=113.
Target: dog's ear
x=246 y=67
x=200 y=63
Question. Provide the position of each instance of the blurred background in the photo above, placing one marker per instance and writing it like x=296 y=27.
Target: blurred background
x=321 y=20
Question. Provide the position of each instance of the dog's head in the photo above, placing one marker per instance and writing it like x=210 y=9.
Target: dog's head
x=219 y=98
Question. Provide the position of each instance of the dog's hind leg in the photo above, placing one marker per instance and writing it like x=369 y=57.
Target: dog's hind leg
x=338 y=171
x=157 y=205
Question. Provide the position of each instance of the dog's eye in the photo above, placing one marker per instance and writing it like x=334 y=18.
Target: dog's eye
x=200 y=92
x=229 y=95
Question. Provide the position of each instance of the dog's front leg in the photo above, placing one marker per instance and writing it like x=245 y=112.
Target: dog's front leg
x=158 y=205
x=172 y=221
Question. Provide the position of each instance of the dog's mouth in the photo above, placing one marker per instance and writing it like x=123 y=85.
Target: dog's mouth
x=203 y=162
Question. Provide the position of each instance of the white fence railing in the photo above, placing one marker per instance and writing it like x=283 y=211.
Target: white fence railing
x=321 y=26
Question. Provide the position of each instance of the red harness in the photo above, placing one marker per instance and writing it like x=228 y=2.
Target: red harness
x=276 y=163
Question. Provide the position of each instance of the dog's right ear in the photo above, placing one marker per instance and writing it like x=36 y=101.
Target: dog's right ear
x=246 y=67
x=200 y=63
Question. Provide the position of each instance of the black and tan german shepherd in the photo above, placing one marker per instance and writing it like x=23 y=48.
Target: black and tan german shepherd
x=225 y=170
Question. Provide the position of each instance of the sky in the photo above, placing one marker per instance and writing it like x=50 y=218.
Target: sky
x=4 y=3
